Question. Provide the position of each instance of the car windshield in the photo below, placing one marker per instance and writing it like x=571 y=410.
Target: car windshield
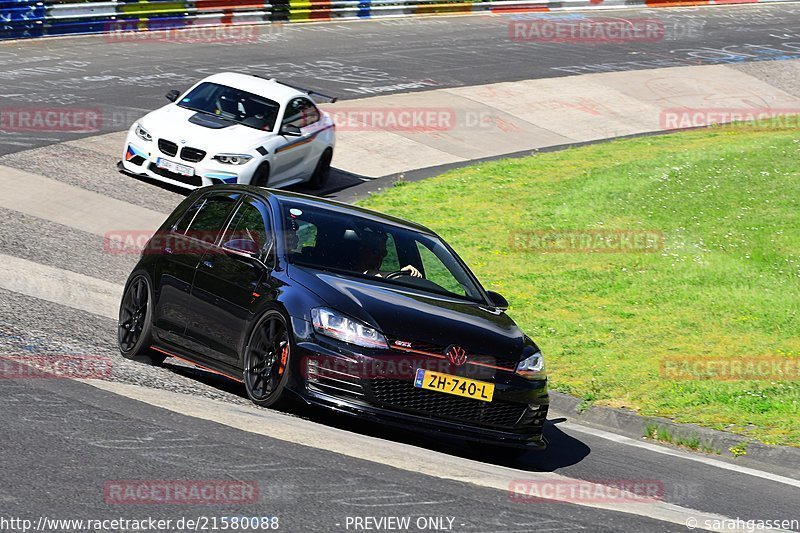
x=232 y=104
x=327 y=239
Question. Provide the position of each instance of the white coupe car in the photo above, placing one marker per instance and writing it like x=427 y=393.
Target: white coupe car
x=233 y=128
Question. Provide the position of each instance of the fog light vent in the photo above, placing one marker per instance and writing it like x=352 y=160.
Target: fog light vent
x=312 y=370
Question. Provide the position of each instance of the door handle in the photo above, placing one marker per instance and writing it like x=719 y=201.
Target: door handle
x=208 y=264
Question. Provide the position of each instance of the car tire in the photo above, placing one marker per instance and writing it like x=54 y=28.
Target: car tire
x=322 y=171
x=261 y=175
x=267 y=360
x=134 y=325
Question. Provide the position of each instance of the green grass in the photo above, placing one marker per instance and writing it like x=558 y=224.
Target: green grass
x=725 y=285
x=692 y=441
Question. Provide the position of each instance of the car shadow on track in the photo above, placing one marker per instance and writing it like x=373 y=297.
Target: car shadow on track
x=563 y=450
x=338 y=181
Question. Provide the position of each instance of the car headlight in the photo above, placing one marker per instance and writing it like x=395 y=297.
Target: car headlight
x=233 y=159
x=143 y=133
x=336 y=325
x=532 y=366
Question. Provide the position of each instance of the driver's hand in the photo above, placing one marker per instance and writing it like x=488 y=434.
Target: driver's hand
x=412 y=271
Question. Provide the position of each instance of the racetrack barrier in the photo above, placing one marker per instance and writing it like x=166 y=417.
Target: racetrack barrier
x=29 y=18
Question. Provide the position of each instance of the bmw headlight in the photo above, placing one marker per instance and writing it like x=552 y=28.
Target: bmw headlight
x=143 y=133
x=532 y=366
x=233 y=159
x=332 y=324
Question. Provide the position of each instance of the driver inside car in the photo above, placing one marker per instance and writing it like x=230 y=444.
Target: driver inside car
x=371 y=253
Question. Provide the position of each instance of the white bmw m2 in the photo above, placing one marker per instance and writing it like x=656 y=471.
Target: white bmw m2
x=234 y=128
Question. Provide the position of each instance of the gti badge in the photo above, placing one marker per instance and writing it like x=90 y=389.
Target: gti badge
x=456 y=354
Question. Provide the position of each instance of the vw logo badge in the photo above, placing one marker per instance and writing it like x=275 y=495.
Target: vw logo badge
x=456 y=354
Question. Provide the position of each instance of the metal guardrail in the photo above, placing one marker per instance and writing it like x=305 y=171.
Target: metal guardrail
x=30 y=18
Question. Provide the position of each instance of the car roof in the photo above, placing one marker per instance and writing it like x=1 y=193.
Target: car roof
x=253 y=84
x=304 y=199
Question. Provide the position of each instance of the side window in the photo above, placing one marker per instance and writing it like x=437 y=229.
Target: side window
x=437 y=272
x=183 y=224
x=311 y=113
x=306 y=235
x=390 y=263
x=251 y=221
x=301 y=112
x=205 y=218
x=300 y=234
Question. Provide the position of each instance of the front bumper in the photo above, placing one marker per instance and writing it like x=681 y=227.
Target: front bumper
x=139 y=158
x=349 y=385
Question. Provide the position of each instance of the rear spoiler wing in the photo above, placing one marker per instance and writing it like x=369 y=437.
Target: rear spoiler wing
x=331 y=99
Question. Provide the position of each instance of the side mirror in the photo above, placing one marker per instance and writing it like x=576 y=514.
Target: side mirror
x=242 y=247
x=173 y=95
x=290 y=130
x=498 y=300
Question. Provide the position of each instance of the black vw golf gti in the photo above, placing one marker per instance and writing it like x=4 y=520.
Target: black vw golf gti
x=345 y=308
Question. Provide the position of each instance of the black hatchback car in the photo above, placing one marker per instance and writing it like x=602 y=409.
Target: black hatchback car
x=348 y=309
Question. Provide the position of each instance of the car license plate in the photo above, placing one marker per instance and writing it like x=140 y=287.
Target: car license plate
x=469 y=388
x=177 y=168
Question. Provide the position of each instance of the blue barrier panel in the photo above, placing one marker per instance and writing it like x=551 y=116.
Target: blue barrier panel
x=76 y=26
x=166 y=23
x=21 y=18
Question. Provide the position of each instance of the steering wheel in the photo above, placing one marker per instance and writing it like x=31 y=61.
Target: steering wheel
x=396 y=274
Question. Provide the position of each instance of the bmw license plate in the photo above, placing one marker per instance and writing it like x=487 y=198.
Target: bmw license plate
x=177 y=168
x=449 y=384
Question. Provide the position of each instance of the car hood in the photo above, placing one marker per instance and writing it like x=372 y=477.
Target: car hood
x=202 y=131
x=413 y=316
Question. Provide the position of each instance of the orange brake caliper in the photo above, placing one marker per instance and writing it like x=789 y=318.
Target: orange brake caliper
x=284 y=357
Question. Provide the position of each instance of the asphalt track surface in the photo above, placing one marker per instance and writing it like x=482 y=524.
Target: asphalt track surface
x=103 y=437
x=64 y=440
